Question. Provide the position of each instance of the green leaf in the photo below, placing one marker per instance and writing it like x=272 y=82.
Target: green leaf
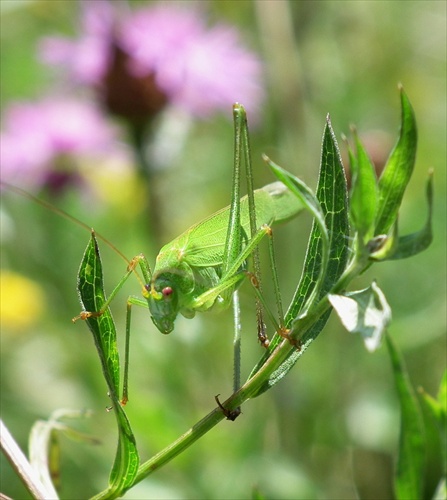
x=311 y=203
x=301 y=191
x=409 y=474
x=437 y=407
x=332 y=196
x=398 y=170
x=92 y=297
x=364 y=194
x=365 y=312
x=442 y=395
x=412 y=244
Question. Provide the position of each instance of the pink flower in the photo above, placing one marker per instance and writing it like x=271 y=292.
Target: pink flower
x=87 y=58
x=200 y=69
x=40 y=141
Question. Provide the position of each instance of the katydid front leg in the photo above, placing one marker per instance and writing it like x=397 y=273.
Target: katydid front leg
x=83 y=315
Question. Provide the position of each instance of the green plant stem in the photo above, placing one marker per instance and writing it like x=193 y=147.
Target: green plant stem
x=209 y=421
x=304 y=323
x=251 y=387
x=214 y=417
x=356 y=266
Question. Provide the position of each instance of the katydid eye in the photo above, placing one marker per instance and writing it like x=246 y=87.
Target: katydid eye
x=167 y=291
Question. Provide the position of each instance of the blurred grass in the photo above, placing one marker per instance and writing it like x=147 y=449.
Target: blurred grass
x=335 y=416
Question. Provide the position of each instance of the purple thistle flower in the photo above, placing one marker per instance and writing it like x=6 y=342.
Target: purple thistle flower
x=164 y=52
x=40 y=141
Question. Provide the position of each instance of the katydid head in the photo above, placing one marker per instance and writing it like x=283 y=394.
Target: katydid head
x=162 y=299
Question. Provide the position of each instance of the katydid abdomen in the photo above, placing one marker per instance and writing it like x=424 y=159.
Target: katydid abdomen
x=189 y=268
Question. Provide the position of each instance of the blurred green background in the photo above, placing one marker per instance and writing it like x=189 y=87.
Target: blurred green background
x=330 y=428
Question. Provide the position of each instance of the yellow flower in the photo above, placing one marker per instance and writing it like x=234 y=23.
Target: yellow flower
x=22 y=301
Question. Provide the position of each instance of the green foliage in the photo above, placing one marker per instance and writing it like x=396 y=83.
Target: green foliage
x=326 y=252
x=92 y=296
x=410 y=463
x=363 y=199
x=335 y=256
x=437 y=407
x=329 y=267
x=296 y=441
x=412 y=244
x=398 y=170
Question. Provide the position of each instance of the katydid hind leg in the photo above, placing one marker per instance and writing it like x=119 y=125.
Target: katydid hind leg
x=262 y=336
x=243 y=150
x=281 y=327
x=234 y=256
x=276 y=320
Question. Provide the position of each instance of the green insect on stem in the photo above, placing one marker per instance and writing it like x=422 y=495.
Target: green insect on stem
x=203 y=267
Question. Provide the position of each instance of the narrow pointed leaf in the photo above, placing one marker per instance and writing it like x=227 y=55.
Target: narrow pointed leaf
x=412 y=244
x=363 y=197
x=92 y=297
x=437 y=407
x=408 y=483
x=331 y=194
x=311 y=203
x=442 y=395
x=398 y=170
x=365 y=312
x=301 y=191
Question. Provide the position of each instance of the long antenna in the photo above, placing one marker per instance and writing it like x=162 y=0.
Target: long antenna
x=62 y=213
